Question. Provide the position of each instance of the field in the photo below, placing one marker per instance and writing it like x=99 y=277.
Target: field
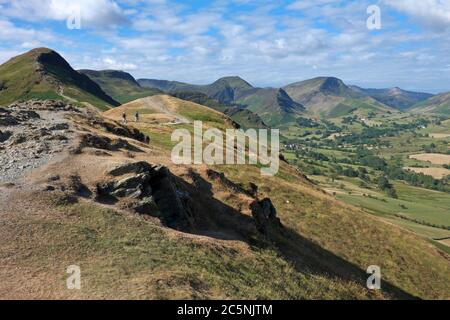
x=434 y=158
x=440 y=135
x=437 y=173
x=349 y=164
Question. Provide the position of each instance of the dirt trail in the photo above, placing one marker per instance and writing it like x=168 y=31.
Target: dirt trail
x=37 y=135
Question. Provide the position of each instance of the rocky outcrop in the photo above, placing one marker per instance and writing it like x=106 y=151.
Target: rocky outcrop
x=265 y=216
x=13 y=117
x=104 y=143
x=119 y=129
x=31 y=133
x=150 y=190
x=5 y=135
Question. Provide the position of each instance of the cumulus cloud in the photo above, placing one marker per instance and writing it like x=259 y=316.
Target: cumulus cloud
x=431 y=13
x=98 y=13
x=307 y=4
x=271 y=43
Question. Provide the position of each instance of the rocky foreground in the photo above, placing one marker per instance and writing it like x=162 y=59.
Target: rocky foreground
x=79 y=188
x=36 y=134
x=31 y=134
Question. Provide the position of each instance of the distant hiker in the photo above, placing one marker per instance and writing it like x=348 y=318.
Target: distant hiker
x=124 y=118
x=136 y=116
x=147 y=140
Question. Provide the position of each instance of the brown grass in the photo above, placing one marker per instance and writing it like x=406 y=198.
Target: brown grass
x=434 y=158
x=437 y=173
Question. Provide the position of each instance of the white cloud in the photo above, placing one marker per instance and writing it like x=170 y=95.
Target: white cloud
x=308 y=4
x=431 y=13
x=98 y=13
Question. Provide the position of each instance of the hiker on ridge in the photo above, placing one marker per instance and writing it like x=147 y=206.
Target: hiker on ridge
x=124 y=118
x=136 y=116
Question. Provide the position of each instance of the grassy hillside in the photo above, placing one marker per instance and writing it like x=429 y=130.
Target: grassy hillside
x=244 y=117
x=439 y=104
x=330 y=98
x=274 y=106
x=44 y=74
x=320 y=251
x=119 y=85
x=223 y=90
x=394 y=97
x=326 y=237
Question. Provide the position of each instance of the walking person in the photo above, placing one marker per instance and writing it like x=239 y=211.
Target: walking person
x=136 y=116
x=124 y=118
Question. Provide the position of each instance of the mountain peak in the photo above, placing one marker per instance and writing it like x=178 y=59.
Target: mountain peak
x=234 y=82
x=44 y=73
x=332 y=85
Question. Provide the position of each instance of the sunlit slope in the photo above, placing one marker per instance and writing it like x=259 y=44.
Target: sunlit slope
x=164 y=109
x=43 y=74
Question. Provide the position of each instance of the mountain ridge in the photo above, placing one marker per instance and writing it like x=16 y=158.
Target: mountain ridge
x=394 y=97
x=120 y=85
x=44 y=73
x=331 y=97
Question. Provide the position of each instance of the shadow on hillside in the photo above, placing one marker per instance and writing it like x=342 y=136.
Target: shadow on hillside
x=212 y=217
x=218 y=220
x=308 y=257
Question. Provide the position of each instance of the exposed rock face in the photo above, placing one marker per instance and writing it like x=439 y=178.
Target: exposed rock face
x=265 y=215
x=31 y=134
x=136 y=167
x=151 y=190
x=5 y=135
x=15 y=116
x=119 y=129
x=104 y=143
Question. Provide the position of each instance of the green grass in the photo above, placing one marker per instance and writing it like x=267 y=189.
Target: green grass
x=132 y=258
x=21 y=81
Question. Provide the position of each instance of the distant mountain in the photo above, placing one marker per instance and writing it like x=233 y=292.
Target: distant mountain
x=244 y=117
x=43 y=74
x=273 y=106
x=120 y=85
x=224 y=90
x=395 y=97
x=331 y=97
x=438 y=104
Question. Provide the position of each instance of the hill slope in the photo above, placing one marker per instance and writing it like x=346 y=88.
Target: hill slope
x=119 y=85
x=244 y=117
x=394 y=97
x=191 y=231
x=439 y=104
x=272 y=105
x=42 y=73
x=331 y=97
x=168 y=110
x=223 y=90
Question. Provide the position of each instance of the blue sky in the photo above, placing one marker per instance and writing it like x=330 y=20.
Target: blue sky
x=269 y=43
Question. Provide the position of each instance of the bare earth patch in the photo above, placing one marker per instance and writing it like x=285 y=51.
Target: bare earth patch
x=440 y=135
x=437 y=173
x=434 y=158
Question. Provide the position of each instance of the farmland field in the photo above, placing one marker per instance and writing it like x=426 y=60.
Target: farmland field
x=434 y=158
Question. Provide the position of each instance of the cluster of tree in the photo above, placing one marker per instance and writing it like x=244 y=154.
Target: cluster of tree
x=307 y=123
x=385 y=186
